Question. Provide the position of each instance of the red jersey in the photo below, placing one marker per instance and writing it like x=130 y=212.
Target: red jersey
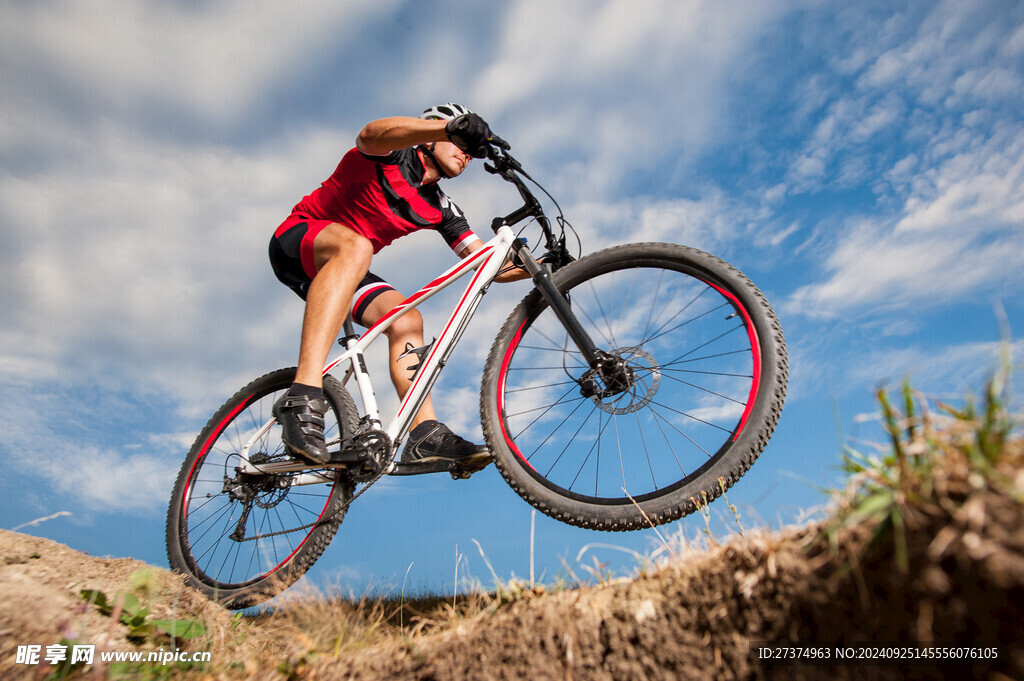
x=384 y=198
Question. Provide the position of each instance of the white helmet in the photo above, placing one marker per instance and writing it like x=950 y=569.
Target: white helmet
x=445 y=112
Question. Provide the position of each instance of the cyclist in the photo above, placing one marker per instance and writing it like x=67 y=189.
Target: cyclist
x=384 y=188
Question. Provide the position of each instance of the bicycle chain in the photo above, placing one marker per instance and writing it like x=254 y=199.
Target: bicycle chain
x=388 y=457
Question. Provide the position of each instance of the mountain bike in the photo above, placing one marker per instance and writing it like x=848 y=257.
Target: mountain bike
x=629 y=387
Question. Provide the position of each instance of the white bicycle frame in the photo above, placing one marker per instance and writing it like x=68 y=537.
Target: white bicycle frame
x=487 y=262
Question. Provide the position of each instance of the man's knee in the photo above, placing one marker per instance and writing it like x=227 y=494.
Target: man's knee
x=337 y=240
x=411 y=323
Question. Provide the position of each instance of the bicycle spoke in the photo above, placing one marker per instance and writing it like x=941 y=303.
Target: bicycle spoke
x=706 y=390
x=224 y=533
x=647 y=454
x=654 y=306
x=551 y=434
x=540 y=387
x=711 y=373
x=570 y=442
x=668 y=442
x=689 y=321
x=280 y=521
x=658 y=332
x=687 y=437
x=691 y=416
x=618 y=447
x=234 y=564
x=552 y=349
x=704 y=345
x=537 y=368
x=549 y=408
x=530 y=411
x=202 y=505
x=610 y=341
x=715 y=356
x=604 y=315
x=198 y=541
x=314 y=513
x=564 y=346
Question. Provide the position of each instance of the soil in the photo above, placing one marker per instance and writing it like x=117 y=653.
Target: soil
x=40 y=591
x=954 y=574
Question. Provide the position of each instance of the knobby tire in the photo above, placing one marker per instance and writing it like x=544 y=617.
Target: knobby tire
x=292 y=524
x=708 y=368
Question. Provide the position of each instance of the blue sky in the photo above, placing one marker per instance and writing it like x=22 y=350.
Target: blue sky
x=863 y=164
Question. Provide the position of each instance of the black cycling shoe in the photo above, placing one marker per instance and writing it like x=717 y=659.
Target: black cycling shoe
x=302 y=422
x=434 y=441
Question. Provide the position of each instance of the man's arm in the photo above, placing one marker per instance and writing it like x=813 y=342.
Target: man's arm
x=384 y=135
x=510 y=271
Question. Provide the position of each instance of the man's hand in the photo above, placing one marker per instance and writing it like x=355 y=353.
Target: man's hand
x=471 y=134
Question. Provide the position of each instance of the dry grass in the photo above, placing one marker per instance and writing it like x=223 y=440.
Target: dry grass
x=923 y=544
x=329 y=622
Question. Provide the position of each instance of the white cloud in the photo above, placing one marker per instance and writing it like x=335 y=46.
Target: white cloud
x=949 y=222
x=626 y=87
x=960 y=233
x=51 y=434
x=136 y=224
x=214 y=59
x=146 y=251
x=955 y=370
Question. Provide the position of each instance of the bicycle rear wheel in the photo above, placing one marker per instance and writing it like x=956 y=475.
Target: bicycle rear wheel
x=706 y=365
x=244 y=538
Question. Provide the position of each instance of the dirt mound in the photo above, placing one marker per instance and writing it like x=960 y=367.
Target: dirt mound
x=700 y=618
x=925 y=548
x=40 y=588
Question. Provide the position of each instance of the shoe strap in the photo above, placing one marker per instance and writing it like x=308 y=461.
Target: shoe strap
x=304 y=402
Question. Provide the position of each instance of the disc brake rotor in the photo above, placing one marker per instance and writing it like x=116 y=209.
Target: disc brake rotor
x=645 y=377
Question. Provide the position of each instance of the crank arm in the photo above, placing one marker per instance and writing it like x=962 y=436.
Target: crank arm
x=289 y=466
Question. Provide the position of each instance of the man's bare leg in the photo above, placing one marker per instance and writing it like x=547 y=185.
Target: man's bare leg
x=406 y=330
x=342 y=258
x=428 y=439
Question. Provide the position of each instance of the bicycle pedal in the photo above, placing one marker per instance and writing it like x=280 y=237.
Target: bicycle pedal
x=421 y=467
x=460 y=473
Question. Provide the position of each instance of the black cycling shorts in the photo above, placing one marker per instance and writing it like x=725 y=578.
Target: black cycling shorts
x=286 y=257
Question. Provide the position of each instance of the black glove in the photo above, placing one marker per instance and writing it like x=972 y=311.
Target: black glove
x=470 y=133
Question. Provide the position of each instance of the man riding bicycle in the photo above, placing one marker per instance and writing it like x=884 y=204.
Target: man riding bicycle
x=384 y=188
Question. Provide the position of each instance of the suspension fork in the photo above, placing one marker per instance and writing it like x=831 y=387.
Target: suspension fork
x=541 y=275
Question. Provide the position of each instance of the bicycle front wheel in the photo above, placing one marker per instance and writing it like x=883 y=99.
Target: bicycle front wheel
x=242 y=538
x=705 y=370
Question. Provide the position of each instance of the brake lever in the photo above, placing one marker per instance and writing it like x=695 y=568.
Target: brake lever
x=498 y=142
x=501 y=161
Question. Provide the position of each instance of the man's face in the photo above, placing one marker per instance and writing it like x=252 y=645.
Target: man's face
x=451 y=159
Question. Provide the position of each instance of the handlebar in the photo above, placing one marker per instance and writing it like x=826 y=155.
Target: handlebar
x=503 y=164
x=509 y=169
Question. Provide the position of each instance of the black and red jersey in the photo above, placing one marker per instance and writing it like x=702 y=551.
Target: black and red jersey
x=384 y=198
